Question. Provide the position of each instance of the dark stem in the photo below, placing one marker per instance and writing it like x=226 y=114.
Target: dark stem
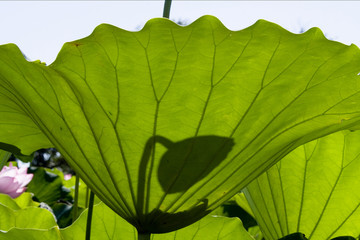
x=76 y=200
x=167 y=6
x=89 y=217
x=87 y=197
x=144 y=236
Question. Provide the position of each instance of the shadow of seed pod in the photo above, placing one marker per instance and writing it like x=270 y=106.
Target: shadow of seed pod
x=187 y=162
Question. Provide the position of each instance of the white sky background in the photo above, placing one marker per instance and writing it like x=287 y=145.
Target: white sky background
x=40 y=28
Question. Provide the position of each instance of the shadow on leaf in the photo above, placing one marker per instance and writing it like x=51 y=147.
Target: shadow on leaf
x=183 y=164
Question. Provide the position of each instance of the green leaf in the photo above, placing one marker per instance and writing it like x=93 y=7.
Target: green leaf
x=240 y=200
x=313 y=190
x=7 y=219
x=167 y=123
x=106 y=225
x=19 y=219
x=25 y=158
x=31 y=217
x=4 y=157
x=47 y=187
x=23 y=201
x=231 y=208
x=255 y=232
x=8 y=202
x=31 y=234
x=63 y=213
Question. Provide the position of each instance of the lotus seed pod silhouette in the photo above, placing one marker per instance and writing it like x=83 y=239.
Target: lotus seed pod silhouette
x=13 y=180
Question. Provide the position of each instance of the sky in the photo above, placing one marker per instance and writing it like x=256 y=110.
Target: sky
x=40 y=28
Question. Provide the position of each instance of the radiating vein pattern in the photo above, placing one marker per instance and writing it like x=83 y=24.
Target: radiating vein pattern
x=175 y=120
x=318 y=191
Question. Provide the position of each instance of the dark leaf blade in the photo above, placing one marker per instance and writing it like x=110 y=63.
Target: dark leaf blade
x=294 y=236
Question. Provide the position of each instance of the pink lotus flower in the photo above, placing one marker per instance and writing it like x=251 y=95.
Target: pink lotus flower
x=67 y=176
x=14 y=180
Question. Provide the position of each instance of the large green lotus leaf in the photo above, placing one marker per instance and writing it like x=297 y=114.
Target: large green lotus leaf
x=167 y=123
x=313 y=190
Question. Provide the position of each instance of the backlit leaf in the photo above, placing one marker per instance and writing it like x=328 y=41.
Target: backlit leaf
x=167 y=123
x=31 y=234
x=31 y=217
x=314 y=190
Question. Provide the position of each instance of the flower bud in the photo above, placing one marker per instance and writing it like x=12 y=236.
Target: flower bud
x=14 y=180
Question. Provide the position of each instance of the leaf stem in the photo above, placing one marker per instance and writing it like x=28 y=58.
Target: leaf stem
x=89 y=217
x=144 y=236
x=87 y=197
x=167 y=6
x=76 y=200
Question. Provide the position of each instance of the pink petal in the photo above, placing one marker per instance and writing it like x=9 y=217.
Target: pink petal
x=22 y=170
x=21 y=190
x=9 y=172
x=7 y=185
x=67 y=177
x=23 y=180
x=14 y=180
x=17 y=193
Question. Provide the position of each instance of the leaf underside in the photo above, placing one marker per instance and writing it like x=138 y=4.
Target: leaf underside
x=117 y=104
x=313 y=190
